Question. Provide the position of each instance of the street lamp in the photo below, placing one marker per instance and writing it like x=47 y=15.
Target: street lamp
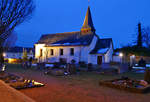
x=119 y=68
x=121 y=56
x=4 y=54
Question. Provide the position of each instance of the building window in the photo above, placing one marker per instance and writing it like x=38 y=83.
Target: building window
x=61 y=52
x=71 y=51
x=51 y=51
x=41 y=52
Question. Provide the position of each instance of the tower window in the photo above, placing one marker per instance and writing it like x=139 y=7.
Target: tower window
x=71 y=51
x=61 y=52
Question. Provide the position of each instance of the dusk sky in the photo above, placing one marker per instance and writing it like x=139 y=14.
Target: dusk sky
x=116 y=19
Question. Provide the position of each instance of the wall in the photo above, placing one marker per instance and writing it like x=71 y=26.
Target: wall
x=81 y=53
x=92 y=58
x=116 y=59
x=37 y=51
x=108 y=55
x=57 y=56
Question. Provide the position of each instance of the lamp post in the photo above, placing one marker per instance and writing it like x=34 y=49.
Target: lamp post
x=121 y=57
x=119 y=68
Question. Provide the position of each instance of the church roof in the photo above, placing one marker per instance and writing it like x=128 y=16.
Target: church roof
x=66 y=39
x=77 y=38
x=88 y=23
x=102 y=46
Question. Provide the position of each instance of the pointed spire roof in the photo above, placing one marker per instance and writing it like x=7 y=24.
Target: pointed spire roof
x=88 y=23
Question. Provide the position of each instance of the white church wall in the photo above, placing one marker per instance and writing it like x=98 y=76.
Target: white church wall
x=81 y=53
x=108 y=55
x=93 y=43
x=92 y=59
x=84 y=54
x=116 y=59
x=85 y=50
x=66 y=53
x=38 y=47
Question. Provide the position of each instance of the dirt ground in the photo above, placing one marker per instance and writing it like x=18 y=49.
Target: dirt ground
x=72 y=89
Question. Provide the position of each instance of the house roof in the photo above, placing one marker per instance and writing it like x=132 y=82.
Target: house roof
x=19 y=50
x=102 y=46
x=66 y=39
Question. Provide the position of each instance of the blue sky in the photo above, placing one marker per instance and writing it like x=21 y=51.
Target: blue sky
x=116 y=19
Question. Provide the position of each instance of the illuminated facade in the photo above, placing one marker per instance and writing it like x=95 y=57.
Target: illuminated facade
x=82 y=46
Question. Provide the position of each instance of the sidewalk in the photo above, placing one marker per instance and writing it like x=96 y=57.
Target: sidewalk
x=9 y=94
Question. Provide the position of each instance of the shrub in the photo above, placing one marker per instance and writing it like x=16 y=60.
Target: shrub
x=82 y=64
x=73 y=61
x=114 y=63
x=62 y=61
x=57 y=72
x=56 y=65
x=90 y=66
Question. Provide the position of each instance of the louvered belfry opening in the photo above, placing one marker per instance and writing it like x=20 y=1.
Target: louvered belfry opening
x=88 y=27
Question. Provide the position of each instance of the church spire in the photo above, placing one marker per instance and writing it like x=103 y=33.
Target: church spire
x=88 y=26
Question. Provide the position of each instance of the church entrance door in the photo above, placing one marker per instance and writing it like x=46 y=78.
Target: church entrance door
x=99 y=60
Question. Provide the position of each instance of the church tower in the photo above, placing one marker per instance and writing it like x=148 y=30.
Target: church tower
x=88 y=27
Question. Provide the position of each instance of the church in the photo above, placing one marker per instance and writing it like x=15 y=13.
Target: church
x=82 y=46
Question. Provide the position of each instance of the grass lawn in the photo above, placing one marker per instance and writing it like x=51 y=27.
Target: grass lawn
x=76 y=88
x=82 y=78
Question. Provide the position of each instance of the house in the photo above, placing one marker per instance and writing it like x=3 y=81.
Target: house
x=82 y=46
x=13 y=54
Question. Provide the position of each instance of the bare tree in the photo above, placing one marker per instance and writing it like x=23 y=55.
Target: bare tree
x=146 y=36
x=12 y=13
x=10 y=41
